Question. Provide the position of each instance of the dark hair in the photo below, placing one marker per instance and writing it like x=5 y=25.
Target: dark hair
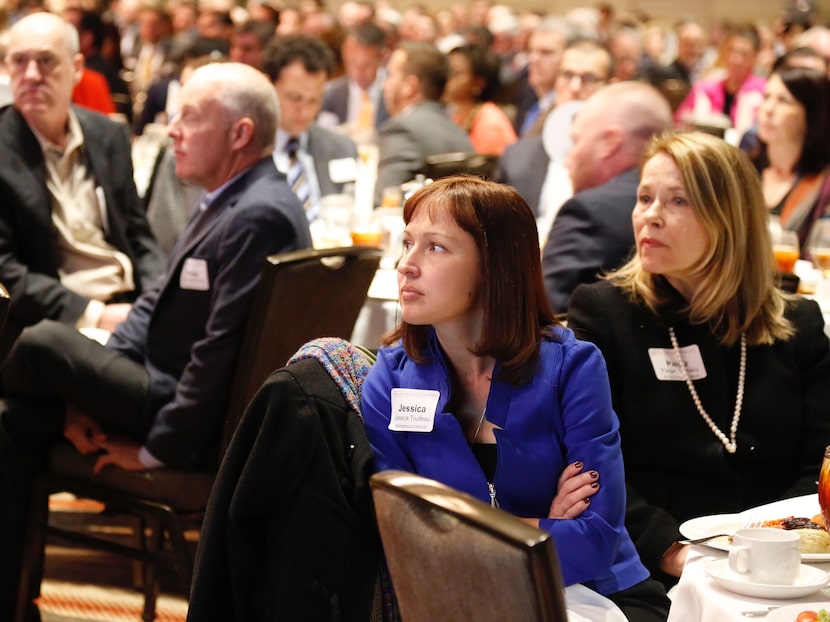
x=587 y=45
x=427 y=63
x=516 y=308
x=283 y=51
x=368 y=34
x=811 y=89
x=744 y=31
x=484 y=64
x=785 y=60
x=262 y=30
x=91 y=22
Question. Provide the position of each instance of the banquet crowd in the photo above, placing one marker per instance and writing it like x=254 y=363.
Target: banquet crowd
x=613 y=280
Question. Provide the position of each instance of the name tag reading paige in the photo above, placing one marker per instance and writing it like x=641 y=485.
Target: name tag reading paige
x=413 y=410
x=668 y=367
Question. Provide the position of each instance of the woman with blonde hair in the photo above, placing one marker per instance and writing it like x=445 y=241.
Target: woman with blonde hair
x=721 y=381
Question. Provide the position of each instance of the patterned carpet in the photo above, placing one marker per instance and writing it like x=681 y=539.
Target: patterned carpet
x=89 y=586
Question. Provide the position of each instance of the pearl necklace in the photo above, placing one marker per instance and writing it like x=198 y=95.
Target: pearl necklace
x=730 y=443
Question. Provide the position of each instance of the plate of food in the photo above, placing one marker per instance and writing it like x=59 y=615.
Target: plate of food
x=801 y=514
x=802 y=612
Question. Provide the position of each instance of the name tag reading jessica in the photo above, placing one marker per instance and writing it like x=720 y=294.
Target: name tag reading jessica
x=413 y=410
x=194 y=275
x=668 y=367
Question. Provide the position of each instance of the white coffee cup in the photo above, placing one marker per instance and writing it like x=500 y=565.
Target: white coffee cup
x=765 y=555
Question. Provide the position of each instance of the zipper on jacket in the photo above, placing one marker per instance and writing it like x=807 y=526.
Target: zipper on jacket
x=494 y=503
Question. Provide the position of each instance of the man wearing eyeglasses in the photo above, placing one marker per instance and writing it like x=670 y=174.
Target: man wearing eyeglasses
x=74 y=242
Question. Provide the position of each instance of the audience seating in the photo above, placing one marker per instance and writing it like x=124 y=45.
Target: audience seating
x=452 y=557
x=301 y=295
x=460 y=162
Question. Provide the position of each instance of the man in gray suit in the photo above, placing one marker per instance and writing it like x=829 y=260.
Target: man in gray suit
x=316 y=161
x=419 y=127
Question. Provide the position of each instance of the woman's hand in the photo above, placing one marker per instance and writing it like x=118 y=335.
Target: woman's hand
x=674 y=559
x=574 y=492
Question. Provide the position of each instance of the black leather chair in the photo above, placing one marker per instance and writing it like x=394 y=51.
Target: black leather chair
x=301 y=295
x=460 y=162
x=452 y=557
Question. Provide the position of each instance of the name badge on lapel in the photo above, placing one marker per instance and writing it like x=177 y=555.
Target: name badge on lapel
x=194 y=275
x=413 y=410
x=668 y=367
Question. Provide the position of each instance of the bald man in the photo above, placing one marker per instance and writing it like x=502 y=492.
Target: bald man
x=592 y=231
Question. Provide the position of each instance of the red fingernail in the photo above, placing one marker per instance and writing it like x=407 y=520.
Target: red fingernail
x=578 y=465
x=595 y=485
x=587 y=500
x=594 y=474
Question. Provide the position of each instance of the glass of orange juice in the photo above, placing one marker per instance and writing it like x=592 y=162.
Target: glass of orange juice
x=818 y=245
x=785 y=248
x=824 y=487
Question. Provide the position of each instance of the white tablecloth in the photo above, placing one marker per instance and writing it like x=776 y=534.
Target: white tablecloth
x=697 y=598
x=584 y=604
x=380 y=312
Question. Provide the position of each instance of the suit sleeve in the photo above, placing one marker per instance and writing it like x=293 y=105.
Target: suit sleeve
x=400 y=157
x=572 y=254
x=652 y=529
x=183 y=428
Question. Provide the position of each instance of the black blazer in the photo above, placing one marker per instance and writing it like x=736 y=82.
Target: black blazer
x=188 y=338
x=290 y=532
x=28 y=263
x=675 y=468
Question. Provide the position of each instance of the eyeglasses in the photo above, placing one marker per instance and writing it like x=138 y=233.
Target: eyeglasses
x=588 y=79
x=46 y=62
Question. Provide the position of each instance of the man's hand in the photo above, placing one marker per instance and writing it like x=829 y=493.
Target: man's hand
x=120 y=452
x=83 y=431
x=113 y=315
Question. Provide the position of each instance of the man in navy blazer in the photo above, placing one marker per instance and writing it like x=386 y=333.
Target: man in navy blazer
x=73 y=234
x=156 y=394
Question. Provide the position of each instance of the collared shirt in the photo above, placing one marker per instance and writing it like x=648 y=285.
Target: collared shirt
x=375 y=92
x=87 y=264
x=281 y=159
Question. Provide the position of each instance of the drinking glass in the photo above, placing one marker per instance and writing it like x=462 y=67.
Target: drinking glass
x=818 y=245
x=785 y=248
x=824 y=487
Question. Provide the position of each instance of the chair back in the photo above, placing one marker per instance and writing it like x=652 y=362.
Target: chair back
x=452 y=557
x=460 y=162
x=5 y=302
x=301 y=295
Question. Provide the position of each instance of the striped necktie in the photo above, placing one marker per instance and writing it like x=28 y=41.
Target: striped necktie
x=296 y=174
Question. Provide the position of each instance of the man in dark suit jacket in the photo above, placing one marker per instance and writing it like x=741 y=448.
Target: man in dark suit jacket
x=592 y=231
x=324 y=161
x=524 y=165
x=73 y=235
x=356 y=98
x=419 y=127
x=156 y=394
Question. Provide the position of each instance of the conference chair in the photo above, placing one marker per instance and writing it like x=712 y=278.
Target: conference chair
x=460 y=162
x=452 y=557
x=300 y=296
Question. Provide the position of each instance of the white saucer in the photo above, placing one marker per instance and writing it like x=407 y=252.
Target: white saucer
x=809 y=580
x=788 y=613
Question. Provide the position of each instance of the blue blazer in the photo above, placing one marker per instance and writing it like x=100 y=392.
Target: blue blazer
x=188 y=339
x=562 y=415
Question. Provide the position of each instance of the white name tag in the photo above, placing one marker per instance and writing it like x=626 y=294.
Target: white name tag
x=194 y=275
x=413 y=410
x=342 y=170
x=668 y=367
